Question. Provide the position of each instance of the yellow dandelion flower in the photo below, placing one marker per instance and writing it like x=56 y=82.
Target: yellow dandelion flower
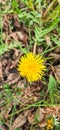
x=31 y=66
x=50 y=123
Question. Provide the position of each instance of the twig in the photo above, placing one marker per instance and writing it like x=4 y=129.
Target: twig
x=34 y=49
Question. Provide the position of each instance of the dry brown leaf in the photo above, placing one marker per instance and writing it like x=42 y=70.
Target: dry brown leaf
x=40 y=114
x=48 y=42
x=22 y=36
x=11 y=81
x=18 y=35
x=19 y=121
x=7 y=111
x=57 y=71
x=30 y=117
x=30 y=95
x=16 y=52
x=55 y=56
x=57 y=50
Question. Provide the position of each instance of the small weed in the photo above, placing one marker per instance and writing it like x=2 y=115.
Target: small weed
x=52 y=89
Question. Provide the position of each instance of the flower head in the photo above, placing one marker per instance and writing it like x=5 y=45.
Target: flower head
x=50 y=123
x=31 y=66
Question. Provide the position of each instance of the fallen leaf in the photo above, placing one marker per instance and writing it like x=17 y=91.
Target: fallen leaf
x=48 y=41
x=30 y=117
x=57 y=71
x=19 y=35
x=19 y=121
x=55 y=56
x=57 y=50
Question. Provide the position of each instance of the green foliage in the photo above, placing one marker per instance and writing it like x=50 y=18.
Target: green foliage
x=17 y=129
x=34 y=16
x=7 y=89
x=57 y=127
x=52 y=87
x=55 y=14
x=15 y=6
x=6 y=47
x=30 y=4
x=56 y=41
